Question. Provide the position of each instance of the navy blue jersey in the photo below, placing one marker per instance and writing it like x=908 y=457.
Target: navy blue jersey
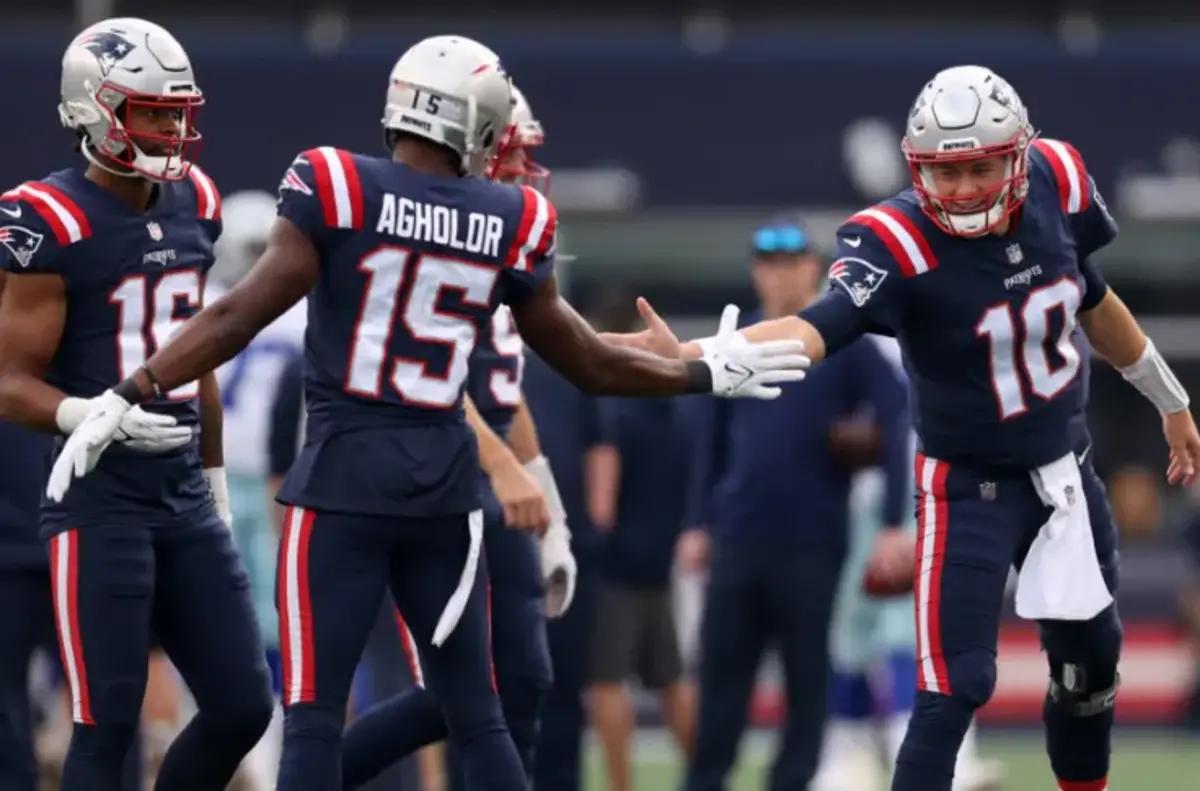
x=24 y=465
x=412 y=267
x=132 y=279
x=496 y=368
x=988 y=327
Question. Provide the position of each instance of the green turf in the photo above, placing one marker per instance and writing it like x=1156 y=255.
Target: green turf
x=1143 y=761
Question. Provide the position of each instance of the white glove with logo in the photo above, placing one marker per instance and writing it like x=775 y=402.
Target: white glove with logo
x=742 y=369
x=559 y=569
x=218 y=484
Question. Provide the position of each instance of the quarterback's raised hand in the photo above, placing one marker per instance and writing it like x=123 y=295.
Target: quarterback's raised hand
x=744 y=369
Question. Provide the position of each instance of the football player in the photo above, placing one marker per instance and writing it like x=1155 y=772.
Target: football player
x=519 y=495
x=983 y=271
x=405 y=259
x=105 y=261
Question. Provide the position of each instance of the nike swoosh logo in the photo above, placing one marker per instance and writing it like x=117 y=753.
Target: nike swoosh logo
x=738 y=370
x=853 y=241
x=1082 y=457
x=14 y=213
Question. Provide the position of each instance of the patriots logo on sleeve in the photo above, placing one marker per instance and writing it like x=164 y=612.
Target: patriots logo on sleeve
x=109 y=47
x=860 y=279
x=292 y=180
x=21 y=242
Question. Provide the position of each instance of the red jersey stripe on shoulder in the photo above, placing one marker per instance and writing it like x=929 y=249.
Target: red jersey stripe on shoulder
x=66 y=220
x=529 y=210
x=547 y=240
x=902 y=237
x=208 y=197
x=353 y=187
x=320 y=166
x=1069 y=173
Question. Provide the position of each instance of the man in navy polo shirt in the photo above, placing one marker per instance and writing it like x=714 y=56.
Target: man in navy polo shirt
x=772 y=500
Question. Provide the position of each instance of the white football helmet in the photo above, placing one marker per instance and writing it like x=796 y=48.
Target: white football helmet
x=966 y=113
x=453 y=91
x=513 y=162
x=115 y=67
x=246 y=218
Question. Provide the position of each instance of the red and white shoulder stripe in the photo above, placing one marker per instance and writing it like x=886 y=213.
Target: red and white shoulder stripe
x=208 y=197
x=61 y=213
x=902 y=237
x=1074 y=191
x=338 y=186
x=535 y=230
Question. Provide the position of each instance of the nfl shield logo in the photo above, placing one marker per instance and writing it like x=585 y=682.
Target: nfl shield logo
x=156 y=231
x=987 y=491
x=1015 y=254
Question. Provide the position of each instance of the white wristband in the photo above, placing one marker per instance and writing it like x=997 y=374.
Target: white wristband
x=539 y=468
x=70 y=413
x=1154 y=379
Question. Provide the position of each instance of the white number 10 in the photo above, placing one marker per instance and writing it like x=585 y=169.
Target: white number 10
x=999 y=327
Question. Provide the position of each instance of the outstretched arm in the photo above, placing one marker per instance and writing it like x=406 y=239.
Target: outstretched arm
x=569 y=344
x=599 y=366
x=287 y=270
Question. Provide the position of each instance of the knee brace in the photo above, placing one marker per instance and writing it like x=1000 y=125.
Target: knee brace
x=1083 y=691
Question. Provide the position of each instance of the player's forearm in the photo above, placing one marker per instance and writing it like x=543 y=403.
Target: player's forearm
x=522 y=436
x=568 y=343
x=1113 y=331
x=212 y=453
x=208 y=339
x=30 y=402
x=493 y=453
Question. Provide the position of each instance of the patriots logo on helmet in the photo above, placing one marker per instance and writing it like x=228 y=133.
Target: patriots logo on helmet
x=21 y=242
x=109 y=47
x=857 y=277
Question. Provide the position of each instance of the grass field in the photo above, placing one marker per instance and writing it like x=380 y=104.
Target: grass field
x=1143 y=761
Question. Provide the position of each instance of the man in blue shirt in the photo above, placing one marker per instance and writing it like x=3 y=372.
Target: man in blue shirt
x=772 y=497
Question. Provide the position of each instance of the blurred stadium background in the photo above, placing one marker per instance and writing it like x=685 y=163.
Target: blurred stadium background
x=674 y=128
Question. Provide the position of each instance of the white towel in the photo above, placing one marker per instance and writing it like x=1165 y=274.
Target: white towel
x=458 y=600
x=1061 y=577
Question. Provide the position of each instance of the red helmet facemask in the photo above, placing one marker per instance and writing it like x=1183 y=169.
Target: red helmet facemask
x=513 y=163
x=155 y=155
x=981 y=212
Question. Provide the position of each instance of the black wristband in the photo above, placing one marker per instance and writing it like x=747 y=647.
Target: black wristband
x=699 y=377
x=129 y=390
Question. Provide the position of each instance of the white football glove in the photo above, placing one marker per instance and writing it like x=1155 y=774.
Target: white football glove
x=139 y=430
x=741 y=369
x=218 y=484
x=558 y=563
x=100 y=426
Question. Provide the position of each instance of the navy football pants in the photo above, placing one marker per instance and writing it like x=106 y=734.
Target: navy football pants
x=971 y=528
x=333 y=572
x=397 y=727
x=112 y=585
x=760 y=594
